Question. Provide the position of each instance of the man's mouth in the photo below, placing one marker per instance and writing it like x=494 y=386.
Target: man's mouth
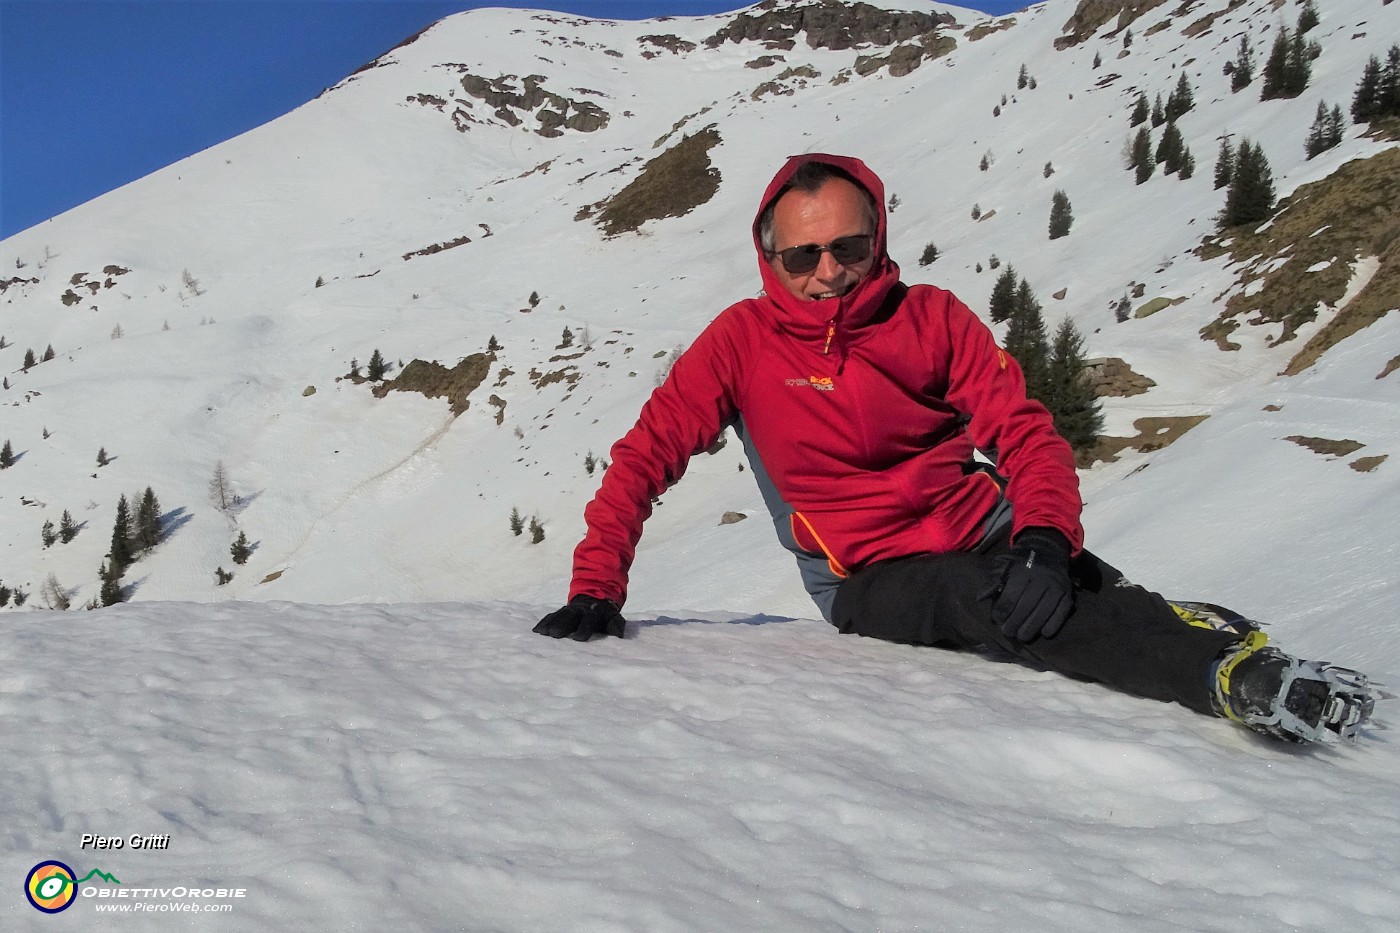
x=835 y=293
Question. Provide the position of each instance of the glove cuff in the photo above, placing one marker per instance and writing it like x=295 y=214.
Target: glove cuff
x=585 y=602
x=1048 y=542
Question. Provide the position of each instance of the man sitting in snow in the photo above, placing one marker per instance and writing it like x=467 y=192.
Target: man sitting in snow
x=860 y=402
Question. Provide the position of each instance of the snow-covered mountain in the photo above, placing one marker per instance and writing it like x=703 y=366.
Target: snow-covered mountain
x=452 y=197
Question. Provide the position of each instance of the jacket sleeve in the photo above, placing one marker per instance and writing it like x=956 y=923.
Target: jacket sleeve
x=987 y=383
x=684 y=416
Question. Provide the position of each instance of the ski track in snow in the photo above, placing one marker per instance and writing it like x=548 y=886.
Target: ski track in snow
x=434 y=767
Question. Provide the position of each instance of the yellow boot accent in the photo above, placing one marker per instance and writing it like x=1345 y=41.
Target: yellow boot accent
x=1252 y=643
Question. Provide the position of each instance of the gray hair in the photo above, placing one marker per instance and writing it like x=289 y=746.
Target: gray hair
x=810 y=178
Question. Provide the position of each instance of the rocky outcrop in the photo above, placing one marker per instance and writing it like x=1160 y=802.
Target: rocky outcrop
x=553 y=112
x=1111 y=376
x=434 y=380
x=827 y=24
x=1091 y=14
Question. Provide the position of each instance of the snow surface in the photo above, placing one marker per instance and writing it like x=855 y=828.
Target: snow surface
x=440 y=767
x=360 y=728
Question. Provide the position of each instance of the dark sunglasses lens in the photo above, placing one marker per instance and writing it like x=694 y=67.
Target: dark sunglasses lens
x=849 y=249
x=800 y=259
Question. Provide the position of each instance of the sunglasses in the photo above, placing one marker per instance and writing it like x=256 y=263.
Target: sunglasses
x=846 y=250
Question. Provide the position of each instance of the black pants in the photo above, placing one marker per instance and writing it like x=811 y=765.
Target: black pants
x=1119 y=634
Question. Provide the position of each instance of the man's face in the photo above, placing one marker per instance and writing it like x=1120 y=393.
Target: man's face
x=836 y=209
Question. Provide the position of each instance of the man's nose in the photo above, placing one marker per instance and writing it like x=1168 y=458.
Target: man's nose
x=828 y=268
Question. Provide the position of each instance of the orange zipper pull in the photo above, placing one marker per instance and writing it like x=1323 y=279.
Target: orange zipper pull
x=830 y=332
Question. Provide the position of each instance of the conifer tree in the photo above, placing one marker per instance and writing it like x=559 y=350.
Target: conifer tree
x=1365 y=102
x=1061 y=216
x=536 y=530
x=29 y=362
x=377 y=366
x=1336 y=126
x=48 y=354
x=240 y=549
x=1076 y=409
x=1142 y=155
x=1169 y=149
x=1122 y=309
x=1388 y=91
x=1276 y=65
x=146 y=532
x=1307 y=17
x=121 y=555
x=1098 y=59
x=929 y=255
x=102 y=458
x=1026 y=340
x=1159 y=113
x=7 y=456
x=67 y=531
x=1140 y=111
x=5 y=592
x=517 y=523
x=1243 y=74
x=1022 y=78
x=220 y=489
x=48 y=535
x=1003 y=302
x=1181 y=100
x=1250 y=198
x=1186 y=165
x=1224 y=164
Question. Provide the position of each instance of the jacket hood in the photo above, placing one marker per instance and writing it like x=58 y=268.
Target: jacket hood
x=832 y=315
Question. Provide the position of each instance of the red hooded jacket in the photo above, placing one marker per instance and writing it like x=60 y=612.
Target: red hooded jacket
x=860 y=415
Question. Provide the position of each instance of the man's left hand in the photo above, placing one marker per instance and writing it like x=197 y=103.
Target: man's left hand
x=1031 y=585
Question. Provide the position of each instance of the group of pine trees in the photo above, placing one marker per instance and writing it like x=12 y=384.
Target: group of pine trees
x=1054 y=372
x=517 y=526
x=1377 y=95
x=1171 y=151
x=1326 y=131
x=132 y=536
x=1288 y=68
x=66 y=531
x=1250 y=195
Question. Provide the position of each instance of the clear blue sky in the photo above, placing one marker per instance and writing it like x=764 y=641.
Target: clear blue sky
x=98 y=93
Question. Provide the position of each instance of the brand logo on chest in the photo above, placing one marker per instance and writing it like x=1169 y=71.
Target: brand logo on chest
x=820 y=383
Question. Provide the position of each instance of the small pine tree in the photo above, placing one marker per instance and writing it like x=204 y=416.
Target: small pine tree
x=493 y=344
x=1143 y=160
x=29 y=361
x=7 y=456
x=1364 y=103
x=1159 y=113
x=67 y=531
x=996 y=112
x=240 y=549
x=1048 y=170
x=1022 y=78
x=1250 y=198
x=1141 y=111
x=976 y=211
x=1122 y=309
x=220 y=489
x=1098 y=59
x=993 y=262
x=1076 y=409
x=121 y=554
x=320 y=281
x=567 y=339
x=5 y=593
x=117 y=332
x=1061 y=216
x=1003 y=301
x=146 y=530
x=1243 y=73
x=536 y=530
x=102 y=458
x=1307 y=17
x=1182 y=99
x=377 y=366
x=1336 y=126
x=1317 y=138
x=1127 y=38
x=1026 y=340
x=19 y=597
x=354 y=367
x=590 y=463
x=111 y=592
x=929 y=255
x=1224 y=164
x=986 y=161
x=48 y=354
x=222 y=576
x=1186 y=165
x=1276 y=66
x=517 y=524
x=48 y=535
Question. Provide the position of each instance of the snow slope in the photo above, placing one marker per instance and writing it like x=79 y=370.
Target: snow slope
x=361 y=730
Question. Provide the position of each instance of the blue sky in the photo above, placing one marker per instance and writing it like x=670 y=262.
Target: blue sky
x=98 y=93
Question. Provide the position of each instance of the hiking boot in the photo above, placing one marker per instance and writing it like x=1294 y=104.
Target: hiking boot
x=1288 y=698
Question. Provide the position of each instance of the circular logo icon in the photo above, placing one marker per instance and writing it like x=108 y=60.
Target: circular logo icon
x=50 y=887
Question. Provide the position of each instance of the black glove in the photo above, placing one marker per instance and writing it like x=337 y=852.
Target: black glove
x=1031 y=586
x=582 y=618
